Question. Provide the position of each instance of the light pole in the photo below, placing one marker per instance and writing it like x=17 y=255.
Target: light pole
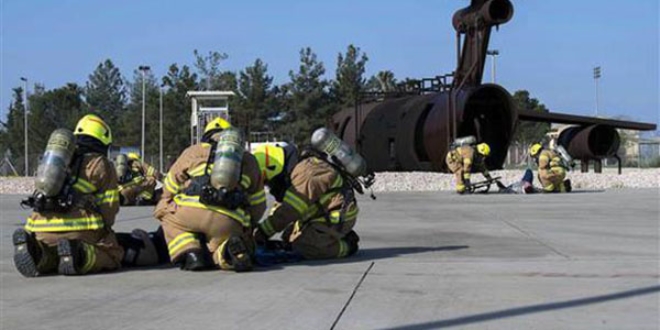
x=596 y=77
x=25 y=126
x=144 y=69
x=160 y=155
x=494 y=53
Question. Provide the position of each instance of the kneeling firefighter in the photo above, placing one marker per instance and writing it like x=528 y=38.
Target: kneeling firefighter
x=552 y=169
x=462 y=160
x=316 y=207
x=137 y=180
x=213 y=196
x=75 y=203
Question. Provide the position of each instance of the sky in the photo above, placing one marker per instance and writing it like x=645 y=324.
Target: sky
x=548 y=48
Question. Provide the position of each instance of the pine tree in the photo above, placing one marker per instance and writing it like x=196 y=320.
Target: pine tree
x=309 y=99
x=254 y=96
x=176 y=110
x=105 y=92
x=349 y=81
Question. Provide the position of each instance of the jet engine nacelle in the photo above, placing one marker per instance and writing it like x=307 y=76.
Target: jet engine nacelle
x=492 y=12
x=590 y=142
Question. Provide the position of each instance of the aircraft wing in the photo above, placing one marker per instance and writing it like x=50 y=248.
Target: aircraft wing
x=562 y=118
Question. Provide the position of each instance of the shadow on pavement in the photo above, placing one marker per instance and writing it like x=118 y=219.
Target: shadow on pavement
x=371 y=254
x=513 y=312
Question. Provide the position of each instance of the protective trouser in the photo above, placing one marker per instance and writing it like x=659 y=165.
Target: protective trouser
x=102 y=252
x=552 y=179
x=183 y=227
x=318 y=240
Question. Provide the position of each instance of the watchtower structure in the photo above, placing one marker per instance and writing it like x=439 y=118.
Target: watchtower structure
x=206 y=106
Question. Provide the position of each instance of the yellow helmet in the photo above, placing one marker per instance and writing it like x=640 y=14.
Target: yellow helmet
x=133 y=156
x=483 y=149
x=217 y=124
x=271 y=160
x=534 y=149
x=94 y=126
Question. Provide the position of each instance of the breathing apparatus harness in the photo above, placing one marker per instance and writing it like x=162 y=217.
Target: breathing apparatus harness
x=209 y=195
x=350 y=184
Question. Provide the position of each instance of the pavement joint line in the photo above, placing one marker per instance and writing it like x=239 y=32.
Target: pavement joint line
x=538 y=240
x=357 y=286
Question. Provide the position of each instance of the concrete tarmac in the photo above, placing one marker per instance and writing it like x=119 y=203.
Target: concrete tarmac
x=586 y=260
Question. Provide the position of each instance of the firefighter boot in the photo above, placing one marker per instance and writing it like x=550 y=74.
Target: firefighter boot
x=237 y=254
x=567 y=185
x=352 y=240
x=76 y=257
x=139 y=250
x=194 y=260
x=27 y=253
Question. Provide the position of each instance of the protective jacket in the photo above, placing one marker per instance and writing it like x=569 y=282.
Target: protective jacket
x=184 y=216
x=91 y=217
x=311 y=211
x=551 y=171
x=463 y=161
x=143 y=178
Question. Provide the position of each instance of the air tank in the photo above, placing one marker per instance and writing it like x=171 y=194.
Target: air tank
x=325 y=141
x=54 y=164
x=227 y=161
x=121 y=165
x=464 y=141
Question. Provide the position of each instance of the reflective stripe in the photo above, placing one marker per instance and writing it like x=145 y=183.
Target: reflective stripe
x=267 y=227
x=335 y=215
x=179 y=242
x=467 y=176
x=550 y=187
x=84 y=186
x=467 y=161
x=193 y=201
x=338 y=182
x=90 y=258
x=245 y=181
x=146 y=195
x=107 y=197
x=171 y=185
x=343 y=249
x=350 y=215
x=137 y=179
x=199 y=170
x=65 y=224
x=151 y=171
x=258 y=198
x=296 y=202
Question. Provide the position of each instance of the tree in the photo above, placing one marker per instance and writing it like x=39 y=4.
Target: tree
x=105 y=93
x=529 y=132
x=129 y=132
x=209 y=70
x=11 y=133
x=309 y=99
x=382 y=82
x=349 y=81
x=176 y=106
x=255 y=94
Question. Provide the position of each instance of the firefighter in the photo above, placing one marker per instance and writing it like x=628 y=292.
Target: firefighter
x=552 y=171
x=136 y=184
x=463 y=161
x=316 y=208
x=75 y=203
x=199 y=215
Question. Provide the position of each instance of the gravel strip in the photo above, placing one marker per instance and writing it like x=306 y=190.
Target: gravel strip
x=431 y=181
